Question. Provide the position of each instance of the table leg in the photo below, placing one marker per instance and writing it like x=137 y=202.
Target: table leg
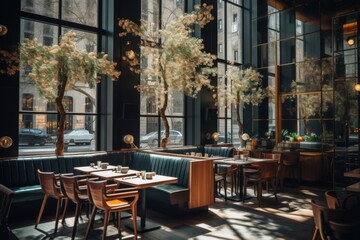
x=145 y=225
x=238 y=198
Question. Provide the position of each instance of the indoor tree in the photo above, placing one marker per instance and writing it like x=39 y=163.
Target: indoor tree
x=244 y=87
x=58 y=68
x=176 y=59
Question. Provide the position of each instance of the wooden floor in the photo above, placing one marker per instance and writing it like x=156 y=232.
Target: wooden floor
x=290 y=218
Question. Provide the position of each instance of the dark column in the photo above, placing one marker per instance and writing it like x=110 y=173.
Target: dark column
x=9 y=85
x=126 y=99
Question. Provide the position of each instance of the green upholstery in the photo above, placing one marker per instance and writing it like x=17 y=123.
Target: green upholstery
x=182 y=150
x=20 y=174
x=219 y=151
x=165 y=165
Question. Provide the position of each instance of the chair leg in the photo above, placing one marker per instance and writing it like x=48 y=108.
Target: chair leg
x=133 y=210
x=244 y=187
x=315 y=233
x=225 y=188
x=41 y=209
x=106 y=222
x=274 y=188
x=259 y=193
x=57 y=216
x=64 y=209
x=77 y=213
x=118 y=216
x=91 y=221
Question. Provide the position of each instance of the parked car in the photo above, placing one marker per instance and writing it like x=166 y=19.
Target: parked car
x=78 y=136
x=32 y=136
x=151 y=139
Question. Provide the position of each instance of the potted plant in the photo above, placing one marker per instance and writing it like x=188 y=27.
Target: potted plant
x=58 y=68
x=178 y=60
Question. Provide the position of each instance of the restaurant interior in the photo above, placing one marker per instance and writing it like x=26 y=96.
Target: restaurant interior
x=180 y=119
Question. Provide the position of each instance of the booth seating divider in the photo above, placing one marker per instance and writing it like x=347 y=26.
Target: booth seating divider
x=195 y=176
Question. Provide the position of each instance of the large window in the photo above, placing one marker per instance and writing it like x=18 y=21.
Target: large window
x=230 y=50
x=80 y=103
x=159 y=13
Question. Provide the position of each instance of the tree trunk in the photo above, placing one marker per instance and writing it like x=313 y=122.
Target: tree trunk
x=164 y=120
x=62 y=115
x=307 y=127
x=238 y=119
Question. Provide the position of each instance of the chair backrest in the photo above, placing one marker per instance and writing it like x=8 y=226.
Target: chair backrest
x=48 y=183
x=97 y=191
x=318 y=219
x=268 y=169
x=323 y=215
x=331 y=199
x=275 y=156
x=6 y=196
x=290 y=158
x=69 y=186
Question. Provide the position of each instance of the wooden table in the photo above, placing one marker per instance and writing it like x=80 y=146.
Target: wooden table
x=142 y=185
x=240 y=163
x=89 y=169
x=111 y=174
x=353 y=173
x=353 y=187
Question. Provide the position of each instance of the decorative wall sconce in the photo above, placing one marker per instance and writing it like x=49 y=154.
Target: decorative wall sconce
x=6 y=142
x=357 y=87
x=3 y=30
x=350 y=40
x=129 y=139
x=215 y=136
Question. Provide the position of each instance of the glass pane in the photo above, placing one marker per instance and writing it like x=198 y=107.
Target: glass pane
x=221 y=86
x=287 y=76
x=47 y=8
x=287 y=53
x=220 y=31
x=37 y=133
x=176 y=136
x=176 y=104
x=287 y=23
x=308 y=75
x=288 y=107
x=309 y=105
x=233 y=34
x=149 y=132
x=82 y=12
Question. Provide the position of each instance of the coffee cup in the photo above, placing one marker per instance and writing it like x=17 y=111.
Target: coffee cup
x=104 y=165
x=149 y=175
x=124 y=169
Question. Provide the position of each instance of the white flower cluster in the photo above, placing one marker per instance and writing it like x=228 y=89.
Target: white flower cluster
x=176 y=60
x=244 y=86
x=62 y=65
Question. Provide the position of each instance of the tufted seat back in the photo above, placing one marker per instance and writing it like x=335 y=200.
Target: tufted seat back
x=163 y=165
x=219 y=151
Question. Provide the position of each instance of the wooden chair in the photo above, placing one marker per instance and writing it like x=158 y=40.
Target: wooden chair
x=116 y=201
x=78 y=195
x=344 y=231
x=6 y=197
x=289 y=160
x=51 y=187
x=220 y=178
x=331 y=199
x=267 y=172
x=323 y=215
